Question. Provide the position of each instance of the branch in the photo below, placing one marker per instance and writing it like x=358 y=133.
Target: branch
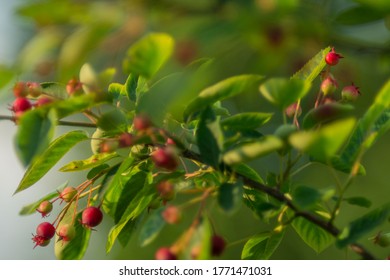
x=278 y=195
x=63 y=123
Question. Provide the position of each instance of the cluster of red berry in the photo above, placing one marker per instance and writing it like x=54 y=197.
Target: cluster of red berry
x=29 y=95
x=91 y=217
x=165 y=157
x=328 y=87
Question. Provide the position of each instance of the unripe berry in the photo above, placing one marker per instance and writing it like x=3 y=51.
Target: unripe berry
x=126 y=140
x=141 y=122
x=171 y=214
x=66 y=232
x=46 y=230
x=68 y=193
x=20 y=89
x=165 y=158
x=332 y=58
x=45 y=208
x=166 y=190
x=218 y=245
x=91 y=217
x=329 y=86
x=109 y=146
x=74 y=87
x=290 y=110
x=21 y=105
x=34 y=89
x=350 y=93
x=382 y=239
x=164 y=253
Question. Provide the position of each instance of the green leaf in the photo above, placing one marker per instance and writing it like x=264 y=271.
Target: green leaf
x=152 y=227
x=359 y=227
x=128 y=231
x=75 y=248
x=359 y=201
x=140 y=202
x=262 y=246
x=374 y=123
x=305 y=197
x=145 y=57
x=326 y=113
x=131 y=87
x=45 y=161
x=284 y=92
x=314 y=236
x=313 y=68
x=113 y=121
x=253 y=150
x=246 y=121
x=248 y=172
x=97 y=170
x=116 y=186
x=260 y=204
x=88 y=163
x=222 y=90
x=325 y=142
x=55 y=90
x=230 y=196
x=35 y=131
x=209 y=138
x=202 y=237
x=31 y=208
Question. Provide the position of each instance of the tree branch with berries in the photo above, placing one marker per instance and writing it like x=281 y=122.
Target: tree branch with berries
x=156 y=153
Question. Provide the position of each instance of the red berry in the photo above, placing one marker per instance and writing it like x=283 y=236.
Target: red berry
x=165 y=158
x=332 y=58
x=171 y=214
x=164 y=253
x=68 y=193
x=126 y=140
x=91 y=217
x=329 y=85
x=166 y=190
x=74 y=87
x=20 y=89
x=290 y=110
x=43 y=100
x=218 y=245
x=350 y=93
x=21 y=104
x=40 y=241
x=46 y=230
x=170 y=141
x=45 y=208
x=141 y=122
x=66 y=232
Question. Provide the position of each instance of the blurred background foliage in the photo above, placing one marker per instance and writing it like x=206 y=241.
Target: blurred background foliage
x=266 y=37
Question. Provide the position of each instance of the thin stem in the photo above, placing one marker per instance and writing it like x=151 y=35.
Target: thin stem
x=62 y=123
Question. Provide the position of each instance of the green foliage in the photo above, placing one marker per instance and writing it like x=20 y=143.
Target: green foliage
x=283 y=92
x=146 y=56
x=207 y=145
x=262 y=246
x=45 y=161
x=314 y=236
